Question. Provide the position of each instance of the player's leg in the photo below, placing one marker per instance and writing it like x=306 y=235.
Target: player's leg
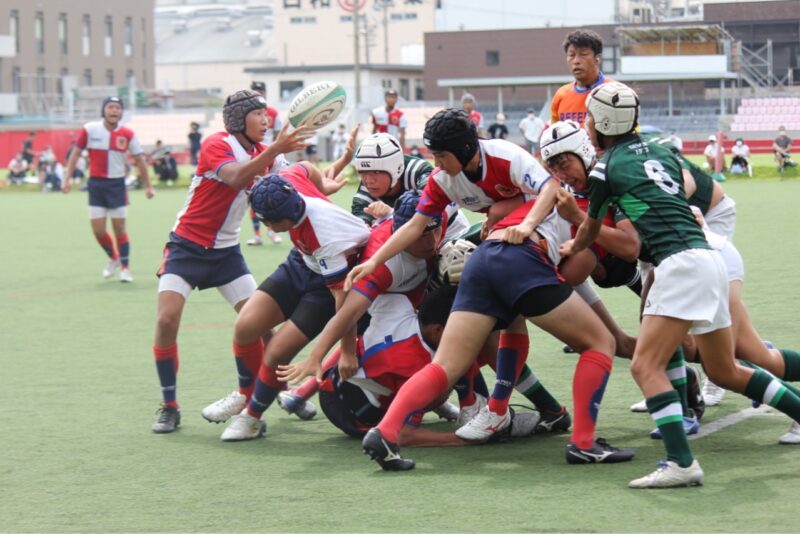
x=172 y=295
x=256 y=239
x=97 y=221
x=566 y=316
x=118 y=224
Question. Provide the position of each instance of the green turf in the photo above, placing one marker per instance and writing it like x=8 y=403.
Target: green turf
x=79 y=392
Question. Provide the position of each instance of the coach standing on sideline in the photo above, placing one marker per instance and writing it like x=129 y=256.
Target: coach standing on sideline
x=107 y=142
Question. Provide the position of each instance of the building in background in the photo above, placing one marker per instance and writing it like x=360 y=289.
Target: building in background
x=53 y=50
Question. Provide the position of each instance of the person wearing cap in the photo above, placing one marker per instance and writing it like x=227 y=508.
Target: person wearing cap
x=108 y=143
x=468 y=105
x=304 y=292
x=274 y=124
x=203 y=248
x=498 y=129
x=390 y=119
x=531 y=128
x=741 y=158
x=712 y=150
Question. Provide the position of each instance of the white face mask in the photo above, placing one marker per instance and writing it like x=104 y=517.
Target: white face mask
x=738 y=143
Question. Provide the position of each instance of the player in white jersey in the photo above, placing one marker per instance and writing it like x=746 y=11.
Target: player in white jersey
x=203 y=248
x=305 y=290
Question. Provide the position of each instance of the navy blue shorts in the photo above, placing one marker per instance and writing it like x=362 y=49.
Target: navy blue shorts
x=301 y=294
x=499 y=274
x=346 y=406
x=107 y=192
x=202 y=267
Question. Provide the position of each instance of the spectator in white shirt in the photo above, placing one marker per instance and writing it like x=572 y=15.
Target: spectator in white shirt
x=531 y=128
x=741 y=158
x=711 y=153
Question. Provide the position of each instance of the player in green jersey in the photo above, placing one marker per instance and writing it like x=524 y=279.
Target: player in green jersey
x=690 y=289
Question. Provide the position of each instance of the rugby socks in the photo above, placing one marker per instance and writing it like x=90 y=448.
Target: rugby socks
x=765 y=388
x=108 y=245
x=256 y=223
x=248 y=361
x=167 y=368
x=308 y=388
x=267 y=388
x=665 y=409
x=588 y=387
x=533 y=390
x=791 y=361
x=124 y=247
x=465 y=386
x=419 y=391
x=676 y=371
x=512 y=353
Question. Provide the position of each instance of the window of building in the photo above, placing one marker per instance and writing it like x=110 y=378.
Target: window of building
x=397 y=16
x=62 y=33
x=41 y=83
x=492 y=58
x=128 y=48
x=16 y=80
x=386 y=84
x=288 y=88
x=609 y=65
x=130 y=77
x=87 y=77
x=86 y=36
x=13 y=28
x=108 y=42
x=60 y=82
x=38 y=32
x=404 y=87
x=110 y=77
x=410 y=16
x=419 y=89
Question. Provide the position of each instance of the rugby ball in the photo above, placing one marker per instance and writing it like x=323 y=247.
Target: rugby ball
x=317 y=105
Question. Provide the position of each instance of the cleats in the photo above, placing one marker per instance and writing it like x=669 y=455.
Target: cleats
x=223 y=409
x=274 y=237
x=670 y=475
x=125 y=276
x=244 y=427
x=295 y=404
x=255 y=241
x=386 y=453
x=639 y=407
x=695 y=397
x=792 y=437
x=602 y=452
x=484 y=425
x=468 y=413
x=690 y=425
x=712 y=393
x=110 y=268
x=169 y=418
x=448 y=411
x=554 y=422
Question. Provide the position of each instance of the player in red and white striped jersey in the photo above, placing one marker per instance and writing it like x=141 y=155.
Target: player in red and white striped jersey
x=203 y=249
x=108 y=143
x=390 y=119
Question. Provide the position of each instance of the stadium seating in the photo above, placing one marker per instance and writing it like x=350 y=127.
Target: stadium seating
x=767 y=114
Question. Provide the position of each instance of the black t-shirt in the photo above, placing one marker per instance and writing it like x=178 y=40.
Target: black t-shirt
x=498 y=131
x=783 y=141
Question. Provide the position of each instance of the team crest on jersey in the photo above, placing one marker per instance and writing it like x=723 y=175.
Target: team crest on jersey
x=122 y=143
x=506 y=191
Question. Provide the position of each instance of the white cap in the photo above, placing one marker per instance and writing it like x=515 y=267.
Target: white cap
x=712 y=138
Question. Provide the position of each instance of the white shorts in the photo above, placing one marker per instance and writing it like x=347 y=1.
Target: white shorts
x=721 y=219
x=99 y=212
x=733 y=262
x=234 y=292
x=691 y=285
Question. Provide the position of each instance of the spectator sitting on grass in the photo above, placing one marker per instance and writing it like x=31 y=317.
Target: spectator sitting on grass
x=741 y=158
x=782 y=146
x=52 y=173
x=165 y=166
x=17 y=169
x=711 y=153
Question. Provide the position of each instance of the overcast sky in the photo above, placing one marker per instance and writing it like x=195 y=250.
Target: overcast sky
x=490 y=14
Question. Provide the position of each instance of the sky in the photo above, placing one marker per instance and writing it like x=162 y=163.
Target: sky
x=497 y=14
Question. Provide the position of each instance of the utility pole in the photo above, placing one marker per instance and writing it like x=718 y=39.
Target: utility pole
x=357 y=59
x=386 y=32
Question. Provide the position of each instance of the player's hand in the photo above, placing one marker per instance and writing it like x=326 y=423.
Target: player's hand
x=288 y=142
x=150 y=192
x=358 y=272
x=333 y=182
x=568 y=208
x=567 y=248
x=348 y=365
x=378 y=209
x=66 y=187
x=350 y=147
x=485 y=227
x=294 y=373
x=518 y=233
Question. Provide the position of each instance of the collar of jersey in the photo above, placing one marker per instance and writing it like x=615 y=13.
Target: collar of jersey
x=600 y=79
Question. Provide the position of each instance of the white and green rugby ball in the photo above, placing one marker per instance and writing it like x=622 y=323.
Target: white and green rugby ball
x=317 y=105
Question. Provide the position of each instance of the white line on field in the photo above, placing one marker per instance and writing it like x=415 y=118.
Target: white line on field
x=732 y=419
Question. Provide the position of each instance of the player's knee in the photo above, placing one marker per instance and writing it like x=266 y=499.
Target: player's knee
x=168 y=322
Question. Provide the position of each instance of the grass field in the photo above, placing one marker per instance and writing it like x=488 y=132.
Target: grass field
x=79 y=392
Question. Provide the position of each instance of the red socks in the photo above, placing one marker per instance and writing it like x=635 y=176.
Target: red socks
x=588 y=386
x=108 y=245
x=248 y=361
x=418 y=392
